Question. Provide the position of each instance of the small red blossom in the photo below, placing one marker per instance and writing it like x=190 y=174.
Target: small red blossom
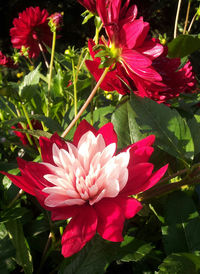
x=87 y=181
x=131 y=49
x=22 y=136
x=56 y=21
x=6 y=61
x=89 y=5
x=31 y=29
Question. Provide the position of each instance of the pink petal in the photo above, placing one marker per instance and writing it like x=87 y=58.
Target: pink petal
x=110 y=220
x=108 y=133
x=151 y=49
x=46 y=147
x=82 y=128
x=129 y=206
x=138 y=178
x=135 y=59
x=79 y=231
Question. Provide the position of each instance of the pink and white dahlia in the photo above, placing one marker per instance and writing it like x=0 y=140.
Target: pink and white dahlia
x=88 y=181
x=30 y=29
x=128 y=47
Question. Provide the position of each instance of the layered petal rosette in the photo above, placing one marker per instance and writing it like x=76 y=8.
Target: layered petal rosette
x=88 y=181
x=31 y=29
x=129 y=46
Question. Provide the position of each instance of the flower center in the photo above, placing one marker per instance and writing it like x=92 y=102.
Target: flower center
x=86 y=173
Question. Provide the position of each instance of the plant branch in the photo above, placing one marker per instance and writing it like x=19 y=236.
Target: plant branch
x=86 y=103
x=177 y=16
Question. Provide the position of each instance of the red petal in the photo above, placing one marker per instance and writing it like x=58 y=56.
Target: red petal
x=110 y=220
x=129 y=206
x=79 y=231
x=138 y=178
x=82 y=128
x=21 y=182
x=155 y=178
x=108 y=134
x=63 y=213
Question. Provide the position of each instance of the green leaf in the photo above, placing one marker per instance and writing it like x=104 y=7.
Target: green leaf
x=182 y=228
x=7 y=251
x=98 y=254
x=23 y=255
x=180 y=263
x=125 y=125
x=171 y=130
x=100 y=116
x=29 y=85
x=183 y=45
x=36 y=133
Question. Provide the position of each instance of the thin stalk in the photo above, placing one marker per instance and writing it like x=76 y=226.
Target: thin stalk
x=8 y=108
x=19 y=194
x=31 y=127
x=75 y=88
x=187 y=16
x=43 y=54
x=86 y=103
x=52 y=58
x=192 y=22
x=177 y=16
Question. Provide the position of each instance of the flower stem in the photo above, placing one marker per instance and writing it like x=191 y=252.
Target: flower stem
x=187 y=16
x=86 y=103
x=75 y=88
x=31 y=127
x=177 y=16
x=191 y=23
x=43 y=54
x=52 y=58
x=19 y=194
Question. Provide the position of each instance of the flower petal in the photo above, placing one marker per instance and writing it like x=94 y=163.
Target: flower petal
x=79 y=231
x=82 y=128
x=108 y=133
x=129 y=206
x=110 y=220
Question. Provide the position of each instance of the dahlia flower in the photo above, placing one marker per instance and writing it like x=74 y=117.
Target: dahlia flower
x=87 y=181
x=6 y=61
x=127 y=45
x=89 y=5
x=31 y=29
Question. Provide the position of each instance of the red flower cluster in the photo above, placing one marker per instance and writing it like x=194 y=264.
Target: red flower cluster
x=88 y=182
x=140 y=63
x=6 y=61
x=30 y=30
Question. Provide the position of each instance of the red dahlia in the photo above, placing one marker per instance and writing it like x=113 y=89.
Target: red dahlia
x=31 y=29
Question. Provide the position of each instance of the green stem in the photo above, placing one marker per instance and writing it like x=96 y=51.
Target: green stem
x=19 y=194
x=31 y=127
x=187 y=16
x=52 y=58
x=86 y=103
x=75 y=88
x=51 y=70
x=8 y=108
x=177 y=16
